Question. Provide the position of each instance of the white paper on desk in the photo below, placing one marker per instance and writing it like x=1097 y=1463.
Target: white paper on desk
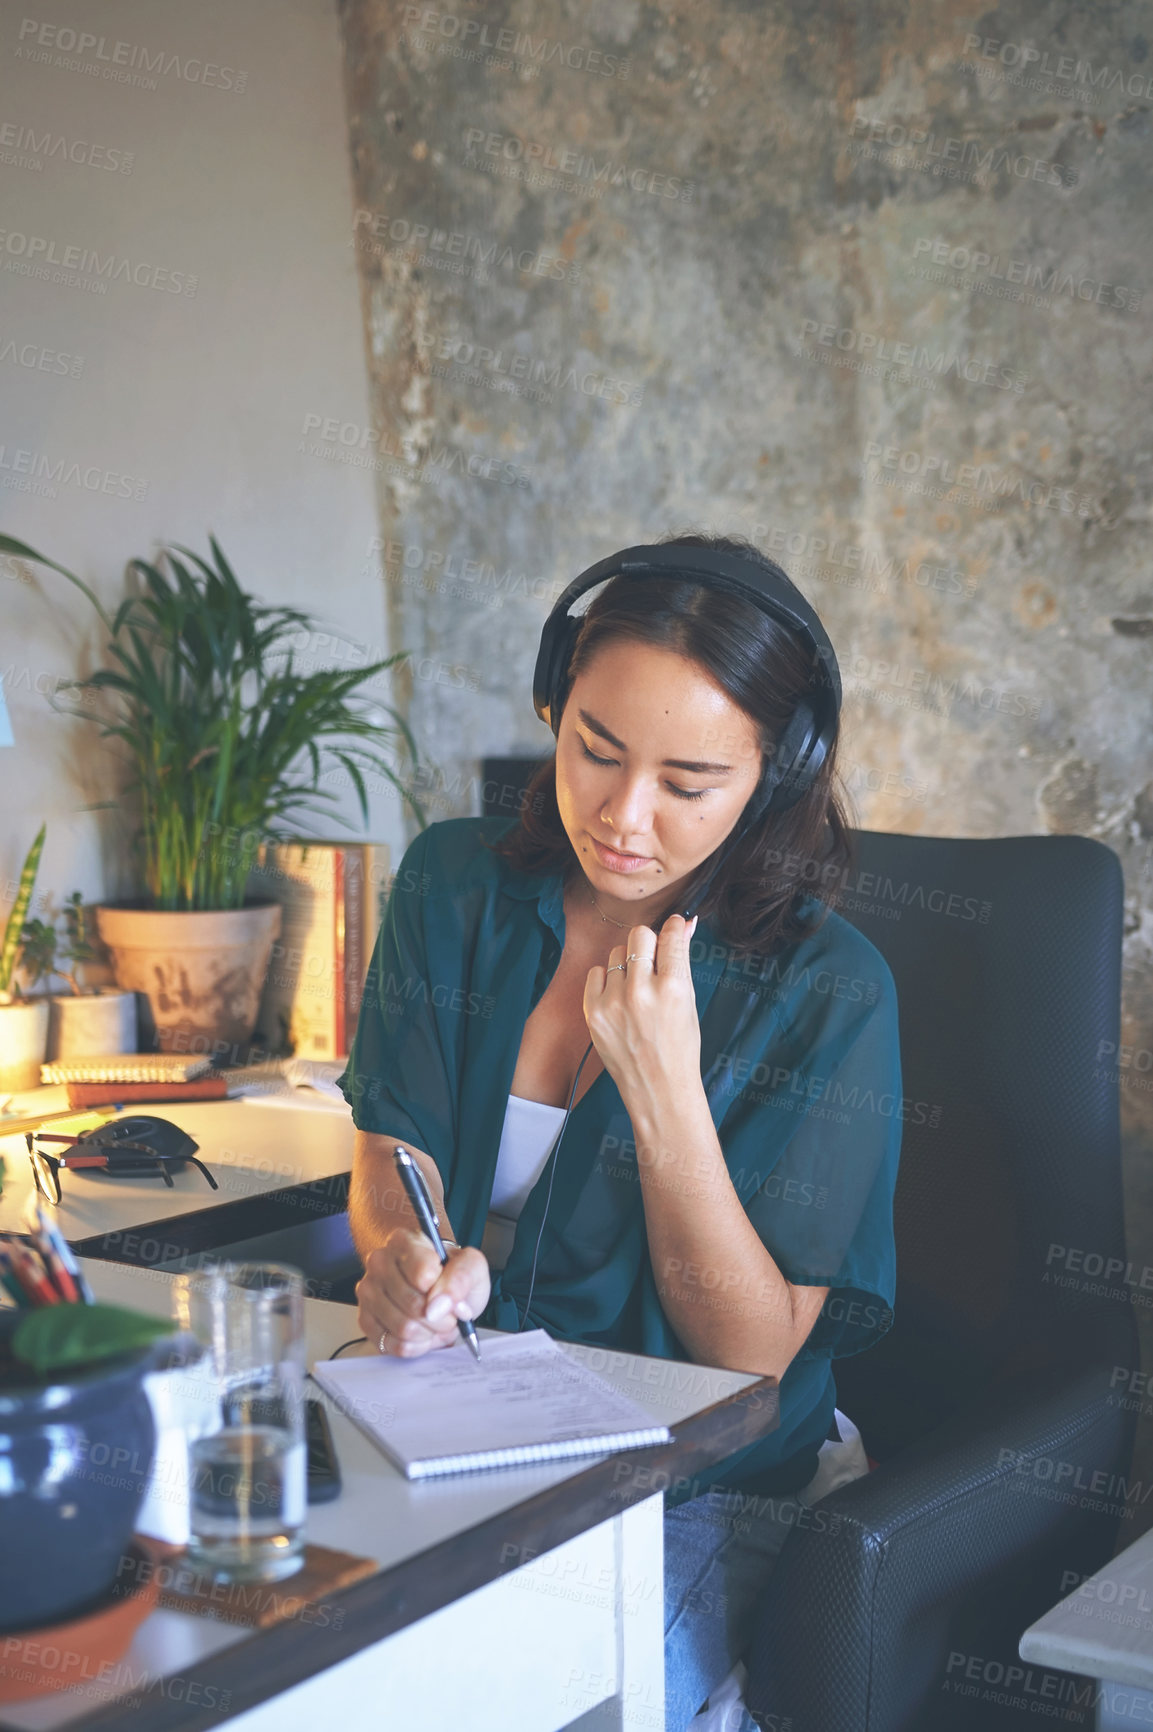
x=527 y=1400
x=293 y=1082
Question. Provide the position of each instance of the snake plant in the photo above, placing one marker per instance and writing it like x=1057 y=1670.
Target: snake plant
x=10 y=949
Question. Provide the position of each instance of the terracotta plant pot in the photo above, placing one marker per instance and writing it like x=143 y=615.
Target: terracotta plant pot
x=40 y=1661
x=91 y=1025
x=201 y=973
x=23 y=1038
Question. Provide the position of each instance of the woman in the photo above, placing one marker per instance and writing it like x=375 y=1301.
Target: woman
x=723 y=1189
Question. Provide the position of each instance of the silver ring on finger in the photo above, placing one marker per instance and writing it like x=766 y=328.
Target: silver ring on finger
x=383 y=1339
x=637 y=957
x=623 y=968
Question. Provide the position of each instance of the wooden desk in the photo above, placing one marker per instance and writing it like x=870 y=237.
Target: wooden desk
x=532 y=1598
x=277 y=1167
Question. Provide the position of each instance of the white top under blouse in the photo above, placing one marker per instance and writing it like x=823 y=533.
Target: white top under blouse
x=526 y=1141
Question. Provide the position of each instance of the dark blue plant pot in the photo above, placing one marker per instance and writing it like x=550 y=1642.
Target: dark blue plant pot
x=76 y=1453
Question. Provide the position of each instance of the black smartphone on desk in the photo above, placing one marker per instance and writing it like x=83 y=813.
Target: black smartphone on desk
x=323 y=1467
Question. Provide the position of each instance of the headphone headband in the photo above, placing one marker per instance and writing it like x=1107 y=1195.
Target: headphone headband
x=809 y=735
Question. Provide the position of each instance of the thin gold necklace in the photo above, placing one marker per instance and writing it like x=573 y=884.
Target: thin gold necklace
x=625 y=925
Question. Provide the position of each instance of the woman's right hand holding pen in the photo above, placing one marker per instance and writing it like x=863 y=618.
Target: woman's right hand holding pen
x=409 y=1302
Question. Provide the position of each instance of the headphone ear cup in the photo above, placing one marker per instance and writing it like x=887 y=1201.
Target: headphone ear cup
x=784 y=780
x=552 y=660
x=542 y=672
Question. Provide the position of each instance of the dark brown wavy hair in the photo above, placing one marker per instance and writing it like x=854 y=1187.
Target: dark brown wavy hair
x=756 y=901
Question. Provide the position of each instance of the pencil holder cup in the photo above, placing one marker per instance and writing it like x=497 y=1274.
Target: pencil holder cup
x=77 y=1450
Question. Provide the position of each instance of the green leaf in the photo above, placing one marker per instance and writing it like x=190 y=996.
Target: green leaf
x=19 y=912
x=21 y=550
x=54 y=1337
x=38 y=950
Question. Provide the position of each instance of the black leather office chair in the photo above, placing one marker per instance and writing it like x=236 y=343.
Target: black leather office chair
x=993 y=1406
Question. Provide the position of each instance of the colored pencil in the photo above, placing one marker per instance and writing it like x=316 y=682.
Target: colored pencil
x=33 y=1277
x=8 y=1279
x=64 y=1252
x=57 y=1273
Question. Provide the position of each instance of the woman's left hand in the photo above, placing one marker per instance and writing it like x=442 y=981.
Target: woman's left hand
x=643 y=1018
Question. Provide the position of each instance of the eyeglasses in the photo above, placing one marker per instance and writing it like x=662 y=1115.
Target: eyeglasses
x=115 y=1150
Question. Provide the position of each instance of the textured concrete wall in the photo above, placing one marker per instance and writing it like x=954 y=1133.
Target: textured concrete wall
x=861 y=282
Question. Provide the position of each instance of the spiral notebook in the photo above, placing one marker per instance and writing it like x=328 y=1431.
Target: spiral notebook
x=526 y=1401
x=128 y=1067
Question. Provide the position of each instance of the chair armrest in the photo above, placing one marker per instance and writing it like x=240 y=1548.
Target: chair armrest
x=953 y=1547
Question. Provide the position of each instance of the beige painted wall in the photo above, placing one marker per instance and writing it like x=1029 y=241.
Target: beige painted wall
x=204 y=151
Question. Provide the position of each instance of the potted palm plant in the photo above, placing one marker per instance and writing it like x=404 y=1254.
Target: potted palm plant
x=226 y=739
x=23 y=1021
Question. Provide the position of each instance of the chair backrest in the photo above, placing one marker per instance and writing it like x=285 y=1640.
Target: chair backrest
x=1006 y=955
x=505 y=780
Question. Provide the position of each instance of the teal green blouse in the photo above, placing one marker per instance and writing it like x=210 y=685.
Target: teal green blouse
x=801 y=1067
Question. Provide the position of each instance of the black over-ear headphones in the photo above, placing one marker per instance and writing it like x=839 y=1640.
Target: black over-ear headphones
x=808 y=737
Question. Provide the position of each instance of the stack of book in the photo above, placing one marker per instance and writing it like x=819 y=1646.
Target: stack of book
x=333 y=896
x=149 y=1076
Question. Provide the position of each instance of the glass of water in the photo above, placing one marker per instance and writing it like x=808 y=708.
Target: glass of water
x=247 y=1485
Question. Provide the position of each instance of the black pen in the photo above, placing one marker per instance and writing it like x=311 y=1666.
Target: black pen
x=416 y=1191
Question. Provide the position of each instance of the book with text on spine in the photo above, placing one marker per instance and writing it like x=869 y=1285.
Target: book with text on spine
x=332 y=895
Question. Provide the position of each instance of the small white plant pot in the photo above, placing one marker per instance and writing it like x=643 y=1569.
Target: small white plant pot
x=91 y=1025
x=23 y=1038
